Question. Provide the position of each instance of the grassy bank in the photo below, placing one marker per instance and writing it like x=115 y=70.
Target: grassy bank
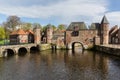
x=2 y=42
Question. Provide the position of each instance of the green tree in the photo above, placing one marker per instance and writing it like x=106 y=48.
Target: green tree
x=26 y=26
x=61 y=27
x=2 y=33
x=54 y=27
x=12 y=22
x=44 y=28
x=48 y=25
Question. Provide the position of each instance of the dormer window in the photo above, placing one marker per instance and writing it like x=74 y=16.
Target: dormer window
x=76 y=28
x=76 y=31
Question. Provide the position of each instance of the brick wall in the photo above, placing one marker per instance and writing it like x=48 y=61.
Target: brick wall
x=85 y=36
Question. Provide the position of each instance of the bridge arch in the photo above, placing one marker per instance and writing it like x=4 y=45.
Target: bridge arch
x=22 y=50
x=34 y=49
x=73 y=45
x=8 y=52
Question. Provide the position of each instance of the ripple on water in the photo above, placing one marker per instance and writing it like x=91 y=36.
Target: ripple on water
x=60 y=65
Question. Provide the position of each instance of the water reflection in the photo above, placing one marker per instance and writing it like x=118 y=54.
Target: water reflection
x=60 y=65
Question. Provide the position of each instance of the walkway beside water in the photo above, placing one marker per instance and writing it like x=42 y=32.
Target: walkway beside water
x=110 y=49
x=112 y=46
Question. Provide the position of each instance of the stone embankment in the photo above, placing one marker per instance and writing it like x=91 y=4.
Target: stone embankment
x=110 y=49
x=44 y=47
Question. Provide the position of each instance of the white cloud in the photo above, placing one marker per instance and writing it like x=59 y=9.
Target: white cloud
x=114 y=18
x=67 y=10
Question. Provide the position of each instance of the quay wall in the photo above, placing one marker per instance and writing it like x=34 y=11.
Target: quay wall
x=108 y=49
x=44 y=47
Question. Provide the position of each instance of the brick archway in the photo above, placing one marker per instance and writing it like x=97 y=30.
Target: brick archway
x=73 y=45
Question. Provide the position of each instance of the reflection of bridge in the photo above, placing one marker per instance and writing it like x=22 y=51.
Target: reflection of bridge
x=15 y=49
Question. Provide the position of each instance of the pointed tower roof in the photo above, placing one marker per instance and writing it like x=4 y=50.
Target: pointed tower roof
x=104 y=20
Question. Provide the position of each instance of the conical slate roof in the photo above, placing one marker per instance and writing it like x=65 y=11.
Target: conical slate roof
x=104 y=20
x=49 y=26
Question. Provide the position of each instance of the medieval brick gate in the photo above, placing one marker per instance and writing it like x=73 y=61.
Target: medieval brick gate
x=77 y=32
x=85 y=38
x=15 y=49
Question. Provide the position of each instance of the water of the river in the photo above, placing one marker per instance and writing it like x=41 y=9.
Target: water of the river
x=60 y=65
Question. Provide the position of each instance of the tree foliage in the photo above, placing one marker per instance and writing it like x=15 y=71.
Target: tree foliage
x=2 y=33
x=61 y=27
x=54 y=27
x=44 y=28
x=49 y=25
x=12 y=22
x=26 y=26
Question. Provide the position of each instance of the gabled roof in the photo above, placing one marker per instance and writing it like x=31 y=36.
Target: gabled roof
x=80 y=25
x=21 y=32
x=94 y=26
x=29 y=31
x=104 y=20
x=18 y=32
x=13 y=33
x=115 y=32
x=113 y=29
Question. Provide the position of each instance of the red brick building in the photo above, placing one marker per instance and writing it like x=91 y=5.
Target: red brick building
x=20 y=36
x=58 y=38
x=114 y=35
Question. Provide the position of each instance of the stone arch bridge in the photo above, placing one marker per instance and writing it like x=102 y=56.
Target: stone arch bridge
x=15 y=49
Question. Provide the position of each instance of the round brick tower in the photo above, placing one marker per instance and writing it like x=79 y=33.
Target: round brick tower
x=49 y=32
x=37 y=35
x=104 y=31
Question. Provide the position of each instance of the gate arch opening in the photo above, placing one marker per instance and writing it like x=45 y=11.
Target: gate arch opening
x=73 y=45
x=22 y=51
x=34 y=49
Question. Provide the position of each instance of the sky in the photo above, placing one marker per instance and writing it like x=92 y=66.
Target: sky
x=61 y=11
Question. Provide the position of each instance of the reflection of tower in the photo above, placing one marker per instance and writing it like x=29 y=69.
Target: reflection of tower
x=104 y=29
x=49 y=34
x=37 y=35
